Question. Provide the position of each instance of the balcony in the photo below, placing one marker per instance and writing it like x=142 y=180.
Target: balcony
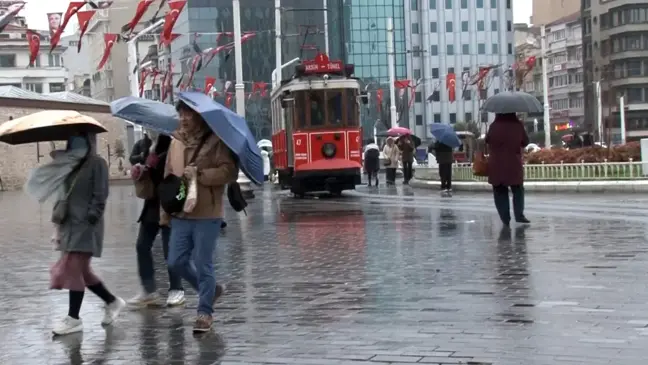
x=628 y=54
x=7 y=73
x=575 y=87
x=576 y=112
x=572 y=64
x=624 y=29
x=573 y=42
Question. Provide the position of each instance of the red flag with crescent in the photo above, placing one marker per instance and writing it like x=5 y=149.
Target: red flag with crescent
x=33 y=38
x=73 y=8
x=260 y=88
x=142 y=6
x=175 y=7
x=451 y=83
x=164 y=41
x=142 y=81
x=379 y=98
x=209 y=83
x=228 y=100
x=109 y=41
x=84 y=20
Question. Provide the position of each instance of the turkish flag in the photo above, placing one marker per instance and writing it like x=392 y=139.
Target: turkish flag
x=109 y=41
x=379 y=98
x=72 y=9
x=259 y=87
x=175 y=7
x=84 y=20
x=228 y=100
x=451 y=83
x=142 y=6
x=33 y=38
x=164 y=41
x=209 y=83
x=402 y=84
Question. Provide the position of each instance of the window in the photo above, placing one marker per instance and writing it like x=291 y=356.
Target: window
x=494 y=25
x=509 y=26
x=465 y=49
x=464 y=26
x=415 y=28
x=480 y=4
x=453 y=118
x=496 y=92
x=419 y=119
x=435 y=73
x=414 y=5
x=480 y=25
x=54 y=60
x=418 y=97
x=437 y=118
x=450 y=70
x=148 y=94
x=495 y=48
x=433 y=27
x=432 y=4
x=510 y=48
x=434 y=50
x=55 y=87
x=37 y=88
x=464 y=4
x=448 y=26
x=417 y=74
x=450 y=49
x=508 y=4
x=493 y=4
x=37 y=62
x=7 y=60
x=469 y=117
x=481 y=48
x=448 y=4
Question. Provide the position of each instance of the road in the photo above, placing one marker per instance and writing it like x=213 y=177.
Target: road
x=389 y=276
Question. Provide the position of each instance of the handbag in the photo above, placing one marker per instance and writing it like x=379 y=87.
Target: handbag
x=480 y=164
x=144 y=187
x=61 y=207
x=173 y=189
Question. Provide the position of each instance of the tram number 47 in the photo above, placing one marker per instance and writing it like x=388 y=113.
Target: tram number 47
x=298 y=142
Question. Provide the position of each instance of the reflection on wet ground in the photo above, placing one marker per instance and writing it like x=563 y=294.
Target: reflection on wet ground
x=377 y=276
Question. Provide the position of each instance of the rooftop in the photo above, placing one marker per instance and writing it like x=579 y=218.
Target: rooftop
x=64 y=96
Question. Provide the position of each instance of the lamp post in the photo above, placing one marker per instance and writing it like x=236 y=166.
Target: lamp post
x=392 y=72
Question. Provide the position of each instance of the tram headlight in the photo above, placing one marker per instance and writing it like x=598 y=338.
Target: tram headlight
x=328 y=150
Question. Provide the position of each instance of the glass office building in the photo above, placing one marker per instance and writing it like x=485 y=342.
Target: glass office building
x=367 y=48
x=207 y=17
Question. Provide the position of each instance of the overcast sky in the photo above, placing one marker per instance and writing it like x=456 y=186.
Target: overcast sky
x=36 y=11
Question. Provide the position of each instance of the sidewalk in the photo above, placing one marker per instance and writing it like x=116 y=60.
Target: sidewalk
x=614 y=186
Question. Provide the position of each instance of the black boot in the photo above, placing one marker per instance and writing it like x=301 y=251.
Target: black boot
x=501 y=198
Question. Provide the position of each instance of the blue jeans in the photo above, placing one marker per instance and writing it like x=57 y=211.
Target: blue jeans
x=195 y=240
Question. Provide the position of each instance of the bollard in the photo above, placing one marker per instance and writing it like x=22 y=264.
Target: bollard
x=246 y=186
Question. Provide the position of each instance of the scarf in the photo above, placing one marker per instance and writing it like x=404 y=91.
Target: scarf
x=48 y=180
x=192 y=133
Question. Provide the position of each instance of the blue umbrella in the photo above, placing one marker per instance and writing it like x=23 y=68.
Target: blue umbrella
x=232 y=129
x=150 y=114
x=445 y=134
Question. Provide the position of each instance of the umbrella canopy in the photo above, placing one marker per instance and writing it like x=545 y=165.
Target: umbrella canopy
x=150 y=114
x=415 y=139
x=264 y=143
x=512 y=102
x=232 y=130
x=445 y=134
x=371 y=146
x=49 y=125
x=398 y=131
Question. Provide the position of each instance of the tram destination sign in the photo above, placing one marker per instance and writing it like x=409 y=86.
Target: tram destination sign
x=322 y=64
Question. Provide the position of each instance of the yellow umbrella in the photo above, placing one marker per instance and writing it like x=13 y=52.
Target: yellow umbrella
x=49 y=125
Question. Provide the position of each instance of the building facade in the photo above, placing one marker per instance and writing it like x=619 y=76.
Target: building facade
x=77 y=66
x=615 y=42
x=548 y=11
x=47 y=73
x=456 y=37
x=366 y=46
x=208 y=18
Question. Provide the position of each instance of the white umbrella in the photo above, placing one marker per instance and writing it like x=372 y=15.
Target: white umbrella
x=264 y=143
x=371 y=146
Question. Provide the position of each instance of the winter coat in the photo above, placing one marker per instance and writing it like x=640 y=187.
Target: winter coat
x=505 y=139
x=151 y=209
x=86 y=202
x=140 y=151
x=407 y=149
x=443 y=153
x=372 y=160
x=392 y=154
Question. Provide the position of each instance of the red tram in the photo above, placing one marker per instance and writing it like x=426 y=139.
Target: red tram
x=316 y=134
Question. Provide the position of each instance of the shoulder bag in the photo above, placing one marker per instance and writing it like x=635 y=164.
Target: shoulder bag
x=173 y=189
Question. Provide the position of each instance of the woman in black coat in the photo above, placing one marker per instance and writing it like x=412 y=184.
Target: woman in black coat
x=445 y=159
x=372 y=164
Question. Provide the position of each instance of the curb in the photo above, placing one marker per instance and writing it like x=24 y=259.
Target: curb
x=614 y=186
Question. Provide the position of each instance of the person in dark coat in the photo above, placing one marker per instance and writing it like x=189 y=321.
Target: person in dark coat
x=445 y=159
x=149 y=226
x=505 y=140
x=372 y=164
x=406 y=146
x=141 y=150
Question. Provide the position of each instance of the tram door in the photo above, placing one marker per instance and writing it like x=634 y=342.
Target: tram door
x=288 y=124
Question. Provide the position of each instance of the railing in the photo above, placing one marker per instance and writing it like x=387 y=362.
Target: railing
x=552 y=172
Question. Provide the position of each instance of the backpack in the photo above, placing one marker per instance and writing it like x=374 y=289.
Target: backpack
x=235 y=197
x=173 y=189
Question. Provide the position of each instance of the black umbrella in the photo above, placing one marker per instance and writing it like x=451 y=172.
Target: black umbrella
x=512 y=102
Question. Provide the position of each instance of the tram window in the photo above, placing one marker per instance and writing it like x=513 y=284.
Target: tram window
x=300 y=109
x=335 y=108
x=317 y=111
x=352 y=108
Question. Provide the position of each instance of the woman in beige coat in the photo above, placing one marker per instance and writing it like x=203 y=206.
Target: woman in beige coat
x=391 y=154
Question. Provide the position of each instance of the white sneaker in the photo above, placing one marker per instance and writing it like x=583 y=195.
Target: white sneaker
x=112 y=311
x=144 y=299
x=68 y=325
x=175 y=298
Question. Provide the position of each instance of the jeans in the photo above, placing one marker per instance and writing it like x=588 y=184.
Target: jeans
x=407 y=171
x=445 y=173
x=501 y=197
x=195 y=239
x=145 y=239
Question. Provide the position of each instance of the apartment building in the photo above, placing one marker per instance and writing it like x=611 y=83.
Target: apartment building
x=615 y=41
x=77 y=66
x=549 y=11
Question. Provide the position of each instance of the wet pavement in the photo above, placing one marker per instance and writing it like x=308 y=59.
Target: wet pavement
x=388 y=276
